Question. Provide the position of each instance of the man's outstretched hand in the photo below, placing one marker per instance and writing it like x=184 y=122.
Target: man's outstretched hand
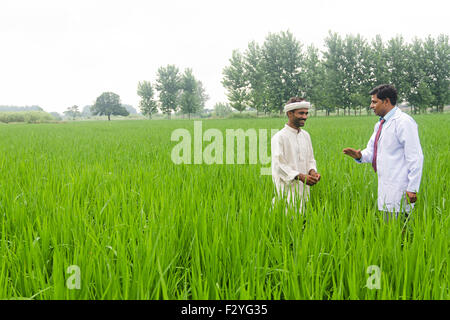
x=355 y=154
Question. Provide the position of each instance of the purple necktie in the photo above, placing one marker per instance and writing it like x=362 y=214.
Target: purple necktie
x=375 y=146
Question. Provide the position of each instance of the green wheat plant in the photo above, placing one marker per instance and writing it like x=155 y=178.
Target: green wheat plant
x=107 y=198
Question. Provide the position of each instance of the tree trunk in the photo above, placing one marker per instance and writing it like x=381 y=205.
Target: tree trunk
x=109 y=117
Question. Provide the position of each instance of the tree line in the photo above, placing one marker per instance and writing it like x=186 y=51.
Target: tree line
x=176 y=91
x=17 y=108
x=266 y=75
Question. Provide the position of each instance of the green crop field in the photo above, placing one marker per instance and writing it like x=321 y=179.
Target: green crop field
x=98 y=210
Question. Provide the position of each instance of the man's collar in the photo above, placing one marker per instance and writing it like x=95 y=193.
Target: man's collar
x=296 y=131
x=389 y=114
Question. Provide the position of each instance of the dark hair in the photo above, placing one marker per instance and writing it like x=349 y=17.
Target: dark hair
x=384 y=91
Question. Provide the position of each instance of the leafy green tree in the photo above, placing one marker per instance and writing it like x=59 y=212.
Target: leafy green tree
x=202 y=95
x=73 y=112
x=342 y=76
x=26 y=108
x=56 y=116
x=282 y=68
x=86 y=112
x=190 y=98
x=222 y=109
x=397 y=65
x=130 y=108
x=423 y=97
x=356 y=70
x=255 y=77
x=378 y=68
x=438 y=56
x=107 y=104
x=347 y=68
x=235 y=82
x=168 y=86
x=314 y=79
x=334 y=66
x=147 y=104
x=416 y=78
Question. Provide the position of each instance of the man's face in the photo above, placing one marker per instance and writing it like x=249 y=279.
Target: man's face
x=299 y=117
x=380 y=107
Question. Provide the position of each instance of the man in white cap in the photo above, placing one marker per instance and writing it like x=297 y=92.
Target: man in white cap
x=293 y=164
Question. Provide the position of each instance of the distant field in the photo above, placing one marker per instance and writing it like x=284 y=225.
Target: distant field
x=98 y=210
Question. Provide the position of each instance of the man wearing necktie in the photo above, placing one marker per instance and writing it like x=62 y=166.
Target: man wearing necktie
x=394 y=151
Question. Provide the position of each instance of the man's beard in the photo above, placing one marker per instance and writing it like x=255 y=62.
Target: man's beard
x=298 y=124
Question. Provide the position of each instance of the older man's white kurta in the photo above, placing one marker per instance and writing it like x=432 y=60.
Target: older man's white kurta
x=399 y=161
x=292 y=154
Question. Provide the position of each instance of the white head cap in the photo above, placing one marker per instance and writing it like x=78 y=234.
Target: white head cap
x=297 y=105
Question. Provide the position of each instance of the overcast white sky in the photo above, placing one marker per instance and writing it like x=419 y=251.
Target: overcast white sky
x=58 y=53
